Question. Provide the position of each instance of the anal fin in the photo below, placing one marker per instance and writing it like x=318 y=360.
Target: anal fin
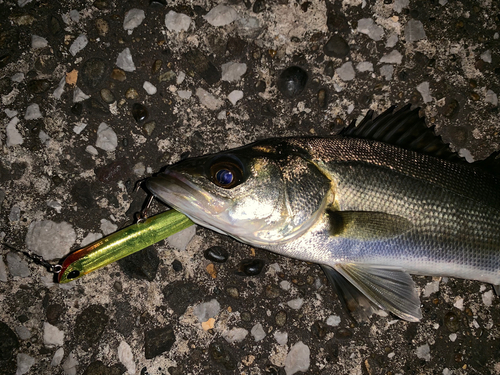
x=391 y=289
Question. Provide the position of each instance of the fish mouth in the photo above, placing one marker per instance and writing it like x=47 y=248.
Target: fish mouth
x=186 y=196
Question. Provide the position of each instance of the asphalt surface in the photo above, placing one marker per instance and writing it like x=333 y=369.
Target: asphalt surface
x=65 y=70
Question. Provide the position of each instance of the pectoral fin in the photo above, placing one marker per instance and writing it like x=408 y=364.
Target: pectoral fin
x=367 y=225
x=391 y=289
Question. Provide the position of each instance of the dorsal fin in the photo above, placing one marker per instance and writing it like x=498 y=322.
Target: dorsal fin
x=403 y=128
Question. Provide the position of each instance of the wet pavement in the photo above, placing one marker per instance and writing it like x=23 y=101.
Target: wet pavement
x=98 y=95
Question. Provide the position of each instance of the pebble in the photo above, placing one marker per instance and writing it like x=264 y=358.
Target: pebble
x=424 y=90
x=235 y=334
x=3 y=271
x=177 y=265
x=387 y=71
x=69 y=365
x=38 y=42
x=393 y=57
x=79 y=95
x=149 y=127
x=280 y=318
x=79 y=44
x=452 y=322
x=232 y=71
x=133 y=18
x=52 y=336
x=132 y=94
x=124 y=61
x=336 y=47
x=126 y=357
x=49 y=239
x=208 y=100
x=281 y=337
x=107 y=96
x=414 y=31
x=322 y=98
x=33 y=112
x=369 y=27
x=177 y=21
x=235 y=96
x=17 y=266
x=424 y=352
x=167 y=76
x=216 y=254
x=346 y=72
x=24 y=363
x=251 y=267
x=14 y=137
x=258 y=332
x=206 y=310
x=364 y=66
x=118 y=75
x=102 y=27
x=150 y=88
x=295 y=303
x=298 y=359
x=221 y=15
x=181 y=240
x=292 y=81
x=106 y=138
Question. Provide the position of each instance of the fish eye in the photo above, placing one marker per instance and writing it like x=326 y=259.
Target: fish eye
x=226 y=173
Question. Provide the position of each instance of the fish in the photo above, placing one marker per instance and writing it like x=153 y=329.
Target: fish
x=372 y=205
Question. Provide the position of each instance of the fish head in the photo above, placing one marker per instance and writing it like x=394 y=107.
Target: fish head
x=257 y=194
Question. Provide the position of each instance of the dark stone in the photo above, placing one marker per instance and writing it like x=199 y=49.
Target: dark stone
x=180 y=295
x=5 y=59
x=272 y=291
x=158 y=341
x=260 y=86
x=329 y=69
x=55 y=26
x=220 y=355
x=177 y=265
x=99 y=368
x=53 y=313
x=322 y=98
x=94 y=106
x=5 y=86
x=139 y=112
x=246 y=316
x=141 y=265
x=337 y=22
x=8 y=342
x=292 y=81
x=124 y=318
x=268 y=111
x=305 y=6
x=251 y=267
x=336 y=47
x=77 y=109
x=343 y=334
x=156 y=66
x=216 y=254
x=236 y=47
x=203 y=67
x=451 y=108
x=115 y=171
x=452 y=322
x=38 y=86
x=319 y=329
x=259 y=6
x=82 y=194
x=90 y=325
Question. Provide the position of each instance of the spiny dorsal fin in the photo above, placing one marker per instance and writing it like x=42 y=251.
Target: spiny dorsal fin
x=403 y=128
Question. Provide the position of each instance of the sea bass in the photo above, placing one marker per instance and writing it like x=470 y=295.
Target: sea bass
x=382 y=200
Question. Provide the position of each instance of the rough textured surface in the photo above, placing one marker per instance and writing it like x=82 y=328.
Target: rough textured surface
x=73 y=66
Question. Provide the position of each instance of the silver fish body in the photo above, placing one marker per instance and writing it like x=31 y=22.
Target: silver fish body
x=370 y=213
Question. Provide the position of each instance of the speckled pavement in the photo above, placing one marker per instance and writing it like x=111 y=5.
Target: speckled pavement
x=97 y=95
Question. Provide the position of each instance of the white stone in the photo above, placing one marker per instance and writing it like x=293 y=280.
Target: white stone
x=126 y=357
x=459 y=303
x=208 y=100
x=425 y=91
x=430 y=288
x=33 y=112
x=369 y=27
x=89 y=238
x=392 y=41
x=333 y=320
x=298 y=359
x=180 y=78
x=206 y=310
x=55 y=205
x=69 y=365
x=18 y=77
x=346 y=72
x=365 y=66
x=124 y=61
x=79 y=95
x=235 y=334
x=184 y=94
x=177 y=21
x=258 y=332
x=393 y=57
x=78 y=128
x=24 y=363
x=133 y=18
x=221 y=15
x=13 y=136
x=38 y=42
x=60 y=88
x=139 y=169
x=285 y=285
x=453 y=337
x=463 y=152
x=486 y=56
x=23 y=332
x=295 y=303
x=108 y=227
x=52 y=336
x=49 y=239
x=17 y=266
x=399 y=5
x=74 y=15
x=79 y=44
x=149 y=87
x=491 y=98
x=414 y=31
x=386 y=71
x=181 y=240
x=222 y=115
x=281 y=337
x=11 y=113
x=3 y=271
x=235 y=96
x=58 y=357
x=488 y=298
x=92 y=150
x=15 y=213
x=424 y=352
x=248 y=26
x=232 y=71
x=106 y=138
x=22 y=3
